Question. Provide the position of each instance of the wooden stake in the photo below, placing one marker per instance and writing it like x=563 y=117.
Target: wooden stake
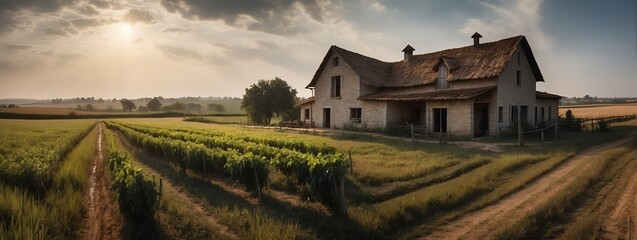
x=520 y=140
x=256 y=179
x=351 y=165
x=412 y=132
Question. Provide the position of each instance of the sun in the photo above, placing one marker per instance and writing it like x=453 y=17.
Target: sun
x=127 y=29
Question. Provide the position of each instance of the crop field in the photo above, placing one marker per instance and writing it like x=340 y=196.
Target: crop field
x=229 y=182
x=600 y=110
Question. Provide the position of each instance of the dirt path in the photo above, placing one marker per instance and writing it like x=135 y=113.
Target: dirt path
x=618 y=210
x=485 y=222
x=103 y=220
x=180 y=196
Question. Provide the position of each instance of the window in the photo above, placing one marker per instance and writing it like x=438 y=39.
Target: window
x=335 y=62
x=336 y=87
x=500 y=114
x=550 y=117
x=535 y=116
x=523 y=114
x=518 y=79
x=518 y=58
x=442 y=77
x=355 y=114
x=307 y=113
x=542 y=118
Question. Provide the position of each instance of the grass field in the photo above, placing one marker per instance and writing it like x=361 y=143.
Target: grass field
x=395 y=189
x=600 y=110
x=395 y=185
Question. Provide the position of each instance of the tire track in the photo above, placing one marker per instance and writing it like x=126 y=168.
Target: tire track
x=487 y=221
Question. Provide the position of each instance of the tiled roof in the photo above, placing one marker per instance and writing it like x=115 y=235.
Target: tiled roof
x=487 y=60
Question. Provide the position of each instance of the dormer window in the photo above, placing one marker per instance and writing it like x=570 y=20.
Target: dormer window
x=443 y=72
x=335 y=62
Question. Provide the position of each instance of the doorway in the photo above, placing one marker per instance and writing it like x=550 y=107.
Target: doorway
x=440 y=120
x=326 y=117
x=481 y=119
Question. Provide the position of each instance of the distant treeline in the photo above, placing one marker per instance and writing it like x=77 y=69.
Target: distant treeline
x=73 y=115
x=595 y=100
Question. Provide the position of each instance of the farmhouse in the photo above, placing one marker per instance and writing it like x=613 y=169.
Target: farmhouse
x=475 y=90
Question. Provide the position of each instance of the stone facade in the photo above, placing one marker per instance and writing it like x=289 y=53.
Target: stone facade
x=464 y=116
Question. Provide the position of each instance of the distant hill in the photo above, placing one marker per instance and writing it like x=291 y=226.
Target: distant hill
x=20 y=101
x=230 y=105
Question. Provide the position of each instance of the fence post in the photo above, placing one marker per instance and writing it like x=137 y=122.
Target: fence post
x=542 y=135
x=351 y=165
x=256 y=179
x=520 y=137
x=412 y=132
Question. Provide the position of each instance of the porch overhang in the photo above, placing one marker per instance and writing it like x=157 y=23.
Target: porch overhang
x=451 y=94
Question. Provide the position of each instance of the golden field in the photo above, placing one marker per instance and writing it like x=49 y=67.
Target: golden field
x=600 y=110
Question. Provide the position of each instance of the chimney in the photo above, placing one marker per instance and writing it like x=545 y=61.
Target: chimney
x=409 y=51
x=476 y=39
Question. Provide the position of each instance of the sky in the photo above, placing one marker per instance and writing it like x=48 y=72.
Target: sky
x=175 y=48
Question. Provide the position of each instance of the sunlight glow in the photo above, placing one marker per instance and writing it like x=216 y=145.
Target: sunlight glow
x=127 y=29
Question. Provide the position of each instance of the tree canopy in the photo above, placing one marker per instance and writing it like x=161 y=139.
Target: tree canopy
x=268 y=98
x=128 y=105
x=154 y=104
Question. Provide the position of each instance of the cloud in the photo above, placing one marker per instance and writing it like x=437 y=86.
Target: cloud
x=55 y=32
x=87 y=10
x=135 y=15
x=178 y=52
x=106 y=4
x=18 y=47
x=87 y=23
x=10 y=9
x=378 y=7
x=521 y=17
x=176 y=30
x=276 y=17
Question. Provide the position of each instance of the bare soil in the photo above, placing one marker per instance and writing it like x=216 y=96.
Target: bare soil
x=103 y=219
x=486 y=222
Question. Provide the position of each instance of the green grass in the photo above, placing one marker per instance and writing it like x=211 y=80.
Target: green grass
x=56 y=214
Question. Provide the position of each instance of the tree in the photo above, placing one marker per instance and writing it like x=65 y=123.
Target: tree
x=268 y=98
x=193 y=107
x=177 y=106
x=128 y=105
x=216 y=107
x=154 y=105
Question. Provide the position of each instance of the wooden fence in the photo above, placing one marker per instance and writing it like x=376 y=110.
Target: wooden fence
x=593 y=124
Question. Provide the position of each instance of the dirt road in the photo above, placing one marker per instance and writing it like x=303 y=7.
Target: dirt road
x=618 y=211
x=485 y=222
x=103 y=220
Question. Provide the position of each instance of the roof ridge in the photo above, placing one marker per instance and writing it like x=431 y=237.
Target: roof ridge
x=343 y=49
x=468 y=46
